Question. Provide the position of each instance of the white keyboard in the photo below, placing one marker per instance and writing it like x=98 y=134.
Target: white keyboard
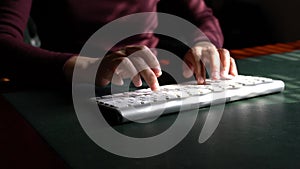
x=144 y=103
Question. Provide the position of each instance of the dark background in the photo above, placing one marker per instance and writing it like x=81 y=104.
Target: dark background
x=247 y=23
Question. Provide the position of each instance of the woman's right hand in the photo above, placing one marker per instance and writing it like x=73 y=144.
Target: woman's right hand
x=134 y=62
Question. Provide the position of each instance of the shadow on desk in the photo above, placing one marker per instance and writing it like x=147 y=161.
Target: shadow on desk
x=21 y=146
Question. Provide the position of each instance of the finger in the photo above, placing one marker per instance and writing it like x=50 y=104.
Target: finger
x=233 y=68
x=211 y=55
x=188 y=69
x=126 y=69
x=150 y=78
x=107 y=68
x=136 y=80
x=147 y=55
x=117 y=80
x=102 y=81
x=114 y=68
x=157 y=72
x=225 y=62
x=197 y=63
x=203 y=73
x=146 y=72
x=139 y=63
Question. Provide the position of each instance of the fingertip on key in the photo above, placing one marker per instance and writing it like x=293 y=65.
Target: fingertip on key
x=215 y=75
x=155 y=87
x=200 y=80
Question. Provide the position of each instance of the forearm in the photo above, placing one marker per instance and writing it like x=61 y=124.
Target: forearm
x=22 y=61
x=212 y=31
x=201 y=16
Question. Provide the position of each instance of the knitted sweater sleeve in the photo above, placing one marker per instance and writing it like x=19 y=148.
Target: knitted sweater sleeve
x=18 y=59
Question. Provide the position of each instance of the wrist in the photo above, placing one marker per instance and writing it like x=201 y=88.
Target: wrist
x=68 y=67
x=84 y=66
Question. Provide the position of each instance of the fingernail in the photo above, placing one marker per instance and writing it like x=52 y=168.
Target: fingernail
x=138 y=83
x=200 y=80
x=157 y=72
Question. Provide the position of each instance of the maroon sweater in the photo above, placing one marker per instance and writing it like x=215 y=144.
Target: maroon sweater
x=65 y=25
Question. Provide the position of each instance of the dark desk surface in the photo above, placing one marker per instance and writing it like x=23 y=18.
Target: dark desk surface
x=262 y=132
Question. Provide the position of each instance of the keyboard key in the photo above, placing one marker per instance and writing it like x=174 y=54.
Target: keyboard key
x=169 y=98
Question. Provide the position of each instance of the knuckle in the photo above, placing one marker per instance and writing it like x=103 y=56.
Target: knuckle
x=137 y=47
x=143 y=47
x=118 y=61
x=232 y=60
x=119 y=53
x=226 y=52
x=125 y=60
